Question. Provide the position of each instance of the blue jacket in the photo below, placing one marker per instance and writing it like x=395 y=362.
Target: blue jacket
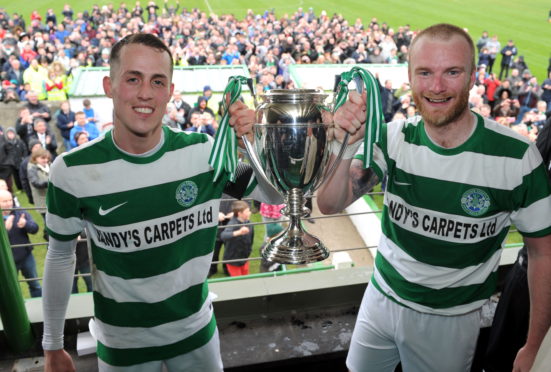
x=90 y=128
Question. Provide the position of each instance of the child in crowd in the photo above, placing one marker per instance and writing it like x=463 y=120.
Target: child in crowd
x=38 y=172
x=89 y=111
x=238 y=239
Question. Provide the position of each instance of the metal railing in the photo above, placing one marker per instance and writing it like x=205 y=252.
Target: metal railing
x=256 y=258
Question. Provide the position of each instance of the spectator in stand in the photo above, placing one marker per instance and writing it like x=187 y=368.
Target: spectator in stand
x=238 y=239
x=508 y=52
x=484 y=57
x=38 y=172
x=81 y=138
x=516 y=81
x=486 y=111
x=528 y=96
x=27 y=52
x=81 y=124
x=540 y=114
x=172 y=117
x=36 y=75
x=36 y=108
x=19 y=224
x=519 y=64
x=103 y=61
x=387 y=98
x=507 y=108
x=491 y=84
x=201 y=107
x=151 y=11
x=67 y=12
x=199 y=123
x=137 y=11
x=89 y=111
x=481 y=43
x=8 y=91
x=182 y=106
x=24 y=124
x=376 y=56
x=494 y=47
x=56 y=89
x=15 y=71
x=45 y=136
x=15 y=150
x=65 y=120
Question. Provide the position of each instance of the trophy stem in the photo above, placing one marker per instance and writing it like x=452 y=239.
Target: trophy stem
x=294 y=245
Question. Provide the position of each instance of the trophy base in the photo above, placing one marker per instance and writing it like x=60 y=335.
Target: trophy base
x=295 y=250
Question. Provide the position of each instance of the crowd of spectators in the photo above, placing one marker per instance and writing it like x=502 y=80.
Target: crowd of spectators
x=514 y=98
x=38 y=56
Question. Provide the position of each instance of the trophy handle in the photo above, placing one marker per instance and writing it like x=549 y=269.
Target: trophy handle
x=333 y=166
x=261 y=177
x=340 y=84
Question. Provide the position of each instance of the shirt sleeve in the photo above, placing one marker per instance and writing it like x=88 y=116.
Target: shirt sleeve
x=59 y=268
x=532 y=199
x=63 y=215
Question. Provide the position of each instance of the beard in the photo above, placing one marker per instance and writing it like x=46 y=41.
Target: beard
x=442 y=118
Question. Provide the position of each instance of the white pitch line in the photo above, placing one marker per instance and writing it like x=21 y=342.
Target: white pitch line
x=209 y=7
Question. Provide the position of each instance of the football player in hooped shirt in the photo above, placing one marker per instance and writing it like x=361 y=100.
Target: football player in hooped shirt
x=145 y=192
x=456 y=182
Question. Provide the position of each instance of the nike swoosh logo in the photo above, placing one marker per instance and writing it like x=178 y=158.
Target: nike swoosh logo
x=401 y=183
x=103 y=212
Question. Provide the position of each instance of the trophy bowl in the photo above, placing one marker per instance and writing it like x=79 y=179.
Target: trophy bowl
x=290 y=151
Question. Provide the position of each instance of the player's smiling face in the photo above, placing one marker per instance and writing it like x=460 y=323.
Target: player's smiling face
x=141 y=86
x=441 y=76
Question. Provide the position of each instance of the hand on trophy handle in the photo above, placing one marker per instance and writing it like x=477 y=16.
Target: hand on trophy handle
x=350 y=117
x=242 y=119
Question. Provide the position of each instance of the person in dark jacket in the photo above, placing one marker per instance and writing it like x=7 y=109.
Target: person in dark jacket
x=19 y=224
x=510 y=325
x=508 y=52
x=65 y=121
x=16 y=150
x=238 y=239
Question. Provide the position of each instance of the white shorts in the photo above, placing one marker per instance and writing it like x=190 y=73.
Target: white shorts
x=207 y=358
x=387 y=333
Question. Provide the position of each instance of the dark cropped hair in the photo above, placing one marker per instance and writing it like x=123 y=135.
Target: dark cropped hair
x=142 y=38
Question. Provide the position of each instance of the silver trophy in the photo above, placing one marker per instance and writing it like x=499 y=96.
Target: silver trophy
x=290 y=151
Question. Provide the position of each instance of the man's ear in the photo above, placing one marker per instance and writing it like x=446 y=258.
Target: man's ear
x=107 y=86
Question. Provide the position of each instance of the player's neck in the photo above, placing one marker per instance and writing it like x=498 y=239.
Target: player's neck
x=136 y=144
x=453 y=134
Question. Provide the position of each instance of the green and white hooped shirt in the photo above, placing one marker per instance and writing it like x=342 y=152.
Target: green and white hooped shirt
x=447 y=213
x=152 y=222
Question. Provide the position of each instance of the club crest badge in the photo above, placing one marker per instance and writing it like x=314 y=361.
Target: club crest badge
x=186 y=193
x=475 y=202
